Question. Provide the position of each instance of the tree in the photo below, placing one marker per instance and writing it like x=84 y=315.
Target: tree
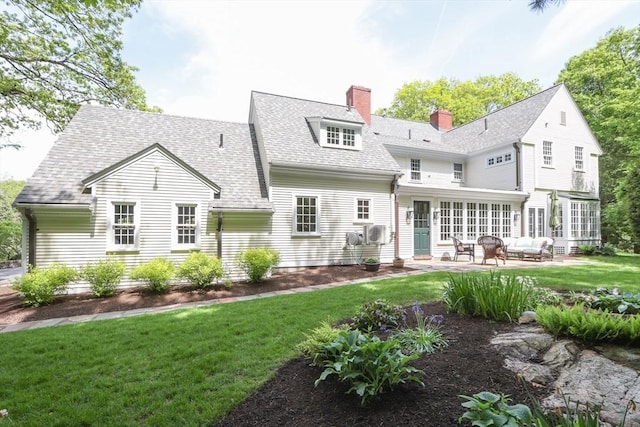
x=466 y=100
x=58 y=54
x=541 y=5
x=633 y=202
x=10 y=221
x=605 y=83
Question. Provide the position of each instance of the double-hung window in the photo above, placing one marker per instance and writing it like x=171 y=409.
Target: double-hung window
x=547 y=153
x=416 y=174
x=123 y=227
x=186 y=230
x=457 y=171
x=306 y=215
x=579 y=158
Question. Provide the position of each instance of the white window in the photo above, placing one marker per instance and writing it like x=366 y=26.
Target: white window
x=416 y=174
x=348 y=137
x=491 y=161
x=306 y=215
x=457 y=171
x=123 y=225
x=363 y=210
x=537 y=222
x=547 y=153
x=470 y=220
x=584 y=219
x=579 y=158
x=333 y=135
x=499 y=159
x=507 y=157
x=563 y=118
x=186 y=229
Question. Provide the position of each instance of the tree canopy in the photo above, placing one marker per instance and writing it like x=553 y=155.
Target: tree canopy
x=605 y=83
x=466 y=100
x=58 y=54
x=10 y=221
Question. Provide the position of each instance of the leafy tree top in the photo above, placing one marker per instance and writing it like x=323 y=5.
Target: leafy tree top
x=58 y=54
x=466 y=100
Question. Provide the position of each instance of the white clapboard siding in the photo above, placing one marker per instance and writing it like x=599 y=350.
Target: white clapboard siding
x=243 y=231
x=337 y=217
x=496 y=177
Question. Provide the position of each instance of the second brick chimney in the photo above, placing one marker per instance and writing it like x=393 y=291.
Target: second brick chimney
x=360 y=98
x=442 y=119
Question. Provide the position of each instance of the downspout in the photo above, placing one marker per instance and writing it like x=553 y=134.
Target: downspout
x=396 y=226
x=33 y=229
x=219 y=239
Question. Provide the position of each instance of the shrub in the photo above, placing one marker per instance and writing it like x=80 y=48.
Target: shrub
x=587 y=249
x=257 y=262
x=103 y=276
x=40 y=286
x=490 y=409
x=607 y=250
x=370 y=365
x=200 y=269
x=492 y=296
x=377 y=315
x=589 y=325
x=157 y=273
x=425 y=337
x=314 y=346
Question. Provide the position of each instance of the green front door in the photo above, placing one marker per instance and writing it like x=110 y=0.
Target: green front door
x=421 y=228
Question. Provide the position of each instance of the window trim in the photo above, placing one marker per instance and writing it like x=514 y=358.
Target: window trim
x=294 y=215
x=174 y=225
x=499 y=159
x=461 y=172
x=111 y=226
x=412 y=171
x=356 y=211
x=578 y=149
x=549 y=155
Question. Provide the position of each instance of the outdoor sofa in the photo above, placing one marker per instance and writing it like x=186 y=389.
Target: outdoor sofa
x=528 y=248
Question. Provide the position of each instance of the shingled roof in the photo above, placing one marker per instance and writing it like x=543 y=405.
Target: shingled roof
x=99 y=137
x=289 y=140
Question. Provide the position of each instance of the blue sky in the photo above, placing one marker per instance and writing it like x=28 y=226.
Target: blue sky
x=203 y=58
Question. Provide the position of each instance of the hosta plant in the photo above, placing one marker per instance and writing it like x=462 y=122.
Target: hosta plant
x=377 y=315
x=490 y=409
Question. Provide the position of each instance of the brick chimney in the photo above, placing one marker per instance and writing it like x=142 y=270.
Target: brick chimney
x=360 y=98
x=442 y=119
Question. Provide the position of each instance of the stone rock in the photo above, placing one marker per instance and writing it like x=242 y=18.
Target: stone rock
x=601 y=382
x=561 y=353
x=527 y=317
x=524 y=344
x=533 y=373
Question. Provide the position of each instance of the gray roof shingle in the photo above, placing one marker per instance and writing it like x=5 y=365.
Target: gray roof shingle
x=98 y=137
x=288 y=137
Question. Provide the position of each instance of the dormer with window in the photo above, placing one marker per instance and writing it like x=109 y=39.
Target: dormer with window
x=334 y=133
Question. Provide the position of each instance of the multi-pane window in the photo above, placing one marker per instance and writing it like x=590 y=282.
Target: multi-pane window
x=579 y=158
x=306 y=217
x=333 y=135
x=483 y=219
x=457 y=171
x=537 y=222
x=491 y=161
x=507 y=157
x=457 y=219
x=445 y=220
x=416 y=174
x=584 y=219
x=472 y=221
x=547 y=153
x=186 y=224
x=495 y=219
x=363 y=209
x=506 y=220
x=499 y=159
x=124 y=226
x=348 y=137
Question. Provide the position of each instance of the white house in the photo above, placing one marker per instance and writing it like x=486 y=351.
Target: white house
x=303 y=176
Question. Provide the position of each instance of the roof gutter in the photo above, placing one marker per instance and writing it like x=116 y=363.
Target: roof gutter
x=307 y=168
x=21 y=205
x=243 y=210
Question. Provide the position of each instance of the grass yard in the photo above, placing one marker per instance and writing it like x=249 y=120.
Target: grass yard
x=190 y=367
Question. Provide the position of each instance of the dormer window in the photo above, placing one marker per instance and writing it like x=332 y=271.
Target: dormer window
x=336 y=133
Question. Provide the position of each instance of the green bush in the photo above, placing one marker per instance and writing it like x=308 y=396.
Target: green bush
x=40 y=286
x=200 y=269
x=257 y=262
x=587 y=249
x=314 y=346
x=490 y=409
x=157 y=274
x=370 y=365
x=492 y=296
x=378 y=315
x=103 y=276
x=606 y=250
x=589 y=325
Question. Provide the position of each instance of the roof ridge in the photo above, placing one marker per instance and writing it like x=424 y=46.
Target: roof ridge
x=299 y=99
x=152 y=113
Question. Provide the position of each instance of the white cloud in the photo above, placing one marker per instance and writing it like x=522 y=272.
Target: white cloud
x=575 y=21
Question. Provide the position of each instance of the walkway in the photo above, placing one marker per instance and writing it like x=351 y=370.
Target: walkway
x=419 y=266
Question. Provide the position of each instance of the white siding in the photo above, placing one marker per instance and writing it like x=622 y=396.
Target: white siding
x=434 y=172
x=497 y=177
x=337 y=197
x=242 y=231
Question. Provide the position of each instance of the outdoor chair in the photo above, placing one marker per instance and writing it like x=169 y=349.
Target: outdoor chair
x=464 y=249
x=492 y=247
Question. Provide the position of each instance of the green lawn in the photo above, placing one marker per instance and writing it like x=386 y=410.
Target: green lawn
x=190 y=367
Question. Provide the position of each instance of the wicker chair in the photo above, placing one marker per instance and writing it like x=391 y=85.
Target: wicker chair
x=464 y=249
x=493 y=247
